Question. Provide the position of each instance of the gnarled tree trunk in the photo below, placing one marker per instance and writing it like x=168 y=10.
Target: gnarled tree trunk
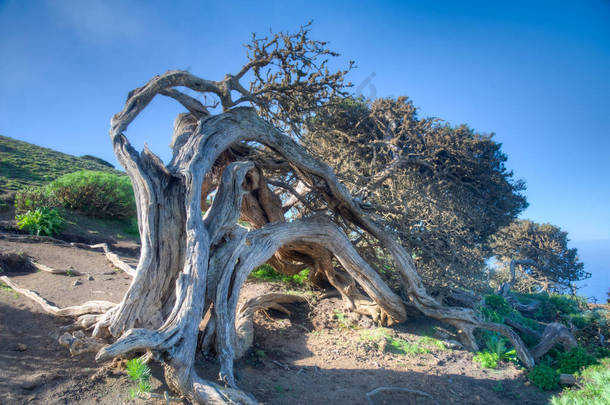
x=195 y=263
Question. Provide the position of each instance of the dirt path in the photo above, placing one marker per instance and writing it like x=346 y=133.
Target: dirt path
x=315 y=356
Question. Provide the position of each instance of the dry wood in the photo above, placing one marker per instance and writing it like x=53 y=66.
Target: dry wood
x=114 y=259
x=553 y=334
x=45 y=268
x=90 y=307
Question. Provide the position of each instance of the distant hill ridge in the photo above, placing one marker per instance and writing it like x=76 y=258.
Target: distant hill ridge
x=24 y=164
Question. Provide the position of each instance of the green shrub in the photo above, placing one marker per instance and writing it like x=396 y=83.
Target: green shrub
x=496 y=344
x=498 y=304
x=574 y=360
x=594 y=387
x=581 y=320
x=564 y=304
x=42 y=221
x=95 y=194
x=92 y=193
x=266 y=272
x=487 y=359
x=31 y=198
x=544 y=377
x=491 y=316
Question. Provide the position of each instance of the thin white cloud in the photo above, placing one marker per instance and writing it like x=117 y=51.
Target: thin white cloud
x=100 y=20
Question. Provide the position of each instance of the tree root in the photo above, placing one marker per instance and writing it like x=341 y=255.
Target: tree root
x=90 y=307
x=51 y=270
x=244 y=324
x=114 y=259
x=78 y=343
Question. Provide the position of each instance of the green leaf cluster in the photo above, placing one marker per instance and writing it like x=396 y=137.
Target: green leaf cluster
x=544 y=377
x=575 y=360
x=92 y=193
x=41 y=221
x=266 y=272
x=138 y=372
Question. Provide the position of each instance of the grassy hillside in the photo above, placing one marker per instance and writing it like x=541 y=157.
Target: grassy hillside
x=24 y=164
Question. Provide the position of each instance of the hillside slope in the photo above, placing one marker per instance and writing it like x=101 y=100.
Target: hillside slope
x=25 y=164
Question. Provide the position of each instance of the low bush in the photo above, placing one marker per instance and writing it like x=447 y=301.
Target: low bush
x=564 y=304
x=498 y=304
x=544 y=377
x=95 y=194
x=575 y=360
x=91 y=193
x=32 y=198
x=41 y=221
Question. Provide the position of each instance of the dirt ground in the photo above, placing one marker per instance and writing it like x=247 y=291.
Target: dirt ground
x=317 y=355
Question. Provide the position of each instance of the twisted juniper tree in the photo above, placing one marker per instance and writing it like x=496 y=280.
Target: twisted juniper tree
x=536 y=257
x=185 y=290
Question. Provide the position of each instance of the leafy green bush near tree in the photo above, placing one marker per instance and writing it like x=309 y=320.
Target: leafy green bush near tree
x=41 y=221
x=575 y=360
x=92 y=193
x=544 y=377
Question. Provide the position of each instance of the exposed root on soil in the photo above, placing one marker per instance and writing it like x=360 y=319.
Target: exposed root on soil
x=90 y=307
x=244 y=323
x=47 y=269
x=115 y=259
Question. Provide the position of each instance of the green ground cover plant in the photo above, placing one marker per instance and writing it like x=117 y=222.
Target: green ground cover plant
x=384 y=339
x=267 y=273
x=544 y=377
x=42 y=221
x=139 y=373
x=593 y=389
x=575 y=360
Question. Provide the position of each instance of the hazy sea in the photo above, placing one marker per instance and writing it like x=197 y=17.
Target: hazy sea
x=595 y=254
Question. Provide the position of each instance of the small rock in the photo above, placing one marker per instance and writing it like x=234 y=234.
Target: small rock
x=21 y=347
x=77 y=283
x=90 y=277
x=79 y=334
x=453 y=344
x=440 y=363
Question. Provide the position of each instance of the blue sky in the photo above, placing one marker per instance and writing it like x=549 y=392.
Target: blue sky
x=535 y=73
